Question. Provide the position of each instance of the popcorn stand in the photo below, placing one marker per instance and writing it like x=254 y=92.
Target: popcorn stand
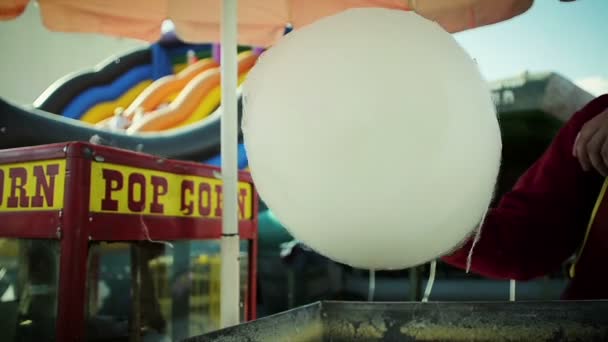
x=98 y=243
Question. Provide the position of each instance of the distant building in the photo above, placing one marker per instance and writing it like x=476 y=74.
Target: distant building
x=548 y=92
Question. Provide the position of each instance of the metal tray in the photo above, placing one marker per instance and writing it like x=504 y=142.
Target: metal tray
x=453 y=321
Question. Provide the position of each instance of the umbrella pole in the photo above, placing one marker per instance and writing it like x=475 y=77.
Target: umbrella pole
x=229 y=282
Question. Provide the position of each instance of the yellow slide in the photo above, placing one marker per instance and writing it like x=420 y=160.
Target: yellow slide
x=105 y=110
x=191 y=100
x=177 y=68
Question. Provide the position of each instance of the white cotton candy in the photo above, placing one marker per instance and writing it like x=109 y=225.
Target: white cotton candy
x=372 y=137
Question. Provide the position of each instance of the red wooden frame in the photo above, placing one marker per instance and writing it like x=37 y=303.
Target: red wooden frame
x=74 y=225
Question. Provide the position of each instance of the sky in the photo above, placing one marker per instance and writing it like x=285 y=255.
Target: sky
x=568 y=38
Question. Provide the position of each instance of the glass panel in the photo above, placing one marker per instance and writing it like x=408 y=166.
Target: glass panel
x=28 y=289
x=176 y=294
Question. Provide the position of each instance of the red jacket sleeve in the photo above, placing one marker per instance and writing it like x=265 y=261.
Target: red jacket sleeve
x=541 y=222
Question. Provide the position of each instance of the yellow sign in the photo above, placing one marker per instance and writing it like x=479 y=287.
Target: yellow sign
x=31 y=186
x=128 y=190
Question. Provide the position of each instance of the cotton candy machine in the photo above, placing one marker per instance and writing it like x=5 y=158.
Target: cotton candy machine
x=457 y=321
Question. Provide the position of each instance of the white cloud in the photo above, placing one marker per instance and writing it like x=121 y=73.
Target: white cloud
x=596 y=85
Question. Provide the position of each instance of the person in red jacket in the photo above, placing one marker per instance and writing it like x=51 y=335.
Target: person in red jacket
x=556 y=210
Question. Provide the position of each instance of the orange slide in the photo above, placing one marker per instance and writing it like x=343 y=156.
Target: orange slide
x=159 y=91
x=188 y=99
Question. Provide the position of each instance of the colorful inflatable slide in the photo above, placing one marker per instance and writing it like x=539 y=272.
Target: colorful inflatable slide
x=158 y=95
x=163 y=100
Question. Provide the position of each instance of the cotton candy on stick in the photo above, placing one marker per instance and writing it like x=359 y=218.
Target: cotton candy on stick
x=372 y=136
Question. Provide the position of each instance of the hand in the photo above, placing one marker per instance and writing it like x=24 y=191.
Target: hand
x=591 y=144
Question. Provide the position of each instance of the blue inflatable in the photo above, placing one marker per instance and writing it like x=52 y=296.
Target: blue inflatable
x=160 y=66
x=91 y=97
x=242 y=159
x=161 y=62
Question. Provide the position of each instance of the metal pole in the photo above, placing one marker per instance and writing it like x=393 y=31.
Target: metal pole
x=512 y=284
x=415 y=284
x=372 y=286
x=229 y=297
x=135 y=321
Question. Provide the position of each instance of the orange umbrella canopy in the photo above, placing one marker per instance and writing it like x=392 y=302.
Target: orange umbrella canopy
x=260 y=22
